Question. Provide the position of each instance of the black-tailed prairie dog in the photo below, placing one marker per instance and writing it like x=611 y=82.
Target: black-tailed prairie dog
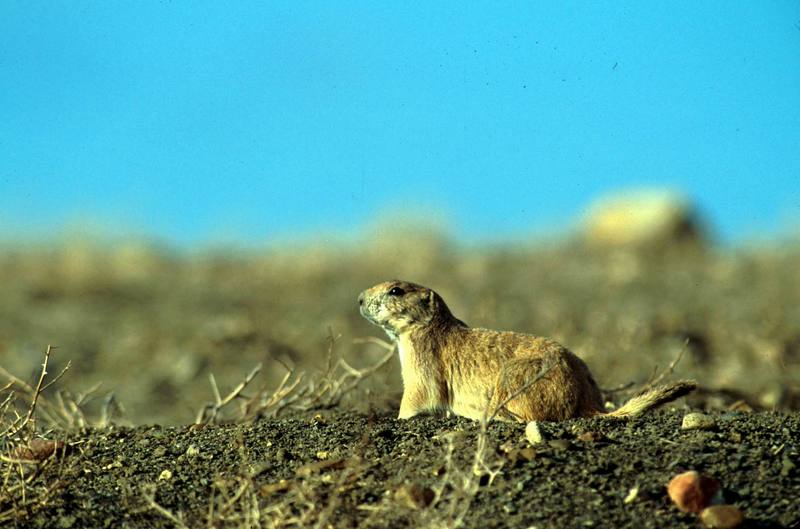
x=476 y=373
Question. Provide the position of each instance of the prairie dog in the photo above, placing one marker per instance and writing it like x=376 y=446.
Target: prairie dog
x=475 y=372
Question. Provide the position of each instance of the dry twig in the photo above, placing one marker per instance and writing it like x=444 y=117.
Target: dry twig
x=209 y=412
x=657 y=379
x=488 y=418
x=29 y=421
x=296 y=391
x=24 y=458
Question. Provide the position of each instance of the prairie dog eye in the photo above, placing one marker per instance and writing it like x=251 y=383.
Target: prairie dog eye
x=396 y=291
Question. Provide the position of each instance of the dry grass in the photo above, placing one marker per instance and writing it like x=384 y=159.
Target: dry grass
x=455 y=492
x=25 y=450
x=151 y=324
x=154 y=333
x=296 y=391
x=237 y=502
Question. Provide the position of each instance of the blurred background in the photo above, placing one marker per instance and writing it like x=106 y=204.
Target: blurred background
x=194 y=188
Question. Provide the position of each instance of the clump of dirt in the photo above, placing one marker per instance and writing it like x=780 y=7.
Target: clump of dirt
x=345 y=469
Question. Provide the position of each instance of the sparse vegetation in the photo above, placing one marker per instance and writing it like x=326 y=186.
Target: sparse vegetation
x=308 y=439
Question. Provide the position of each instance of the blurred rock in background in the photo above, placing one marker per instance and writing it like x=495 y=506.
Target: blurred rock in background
x=644 y=217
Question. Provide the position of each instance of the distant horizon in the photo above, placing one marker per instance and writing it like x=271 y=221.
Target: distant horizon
x=103 y=232
x=195 y=123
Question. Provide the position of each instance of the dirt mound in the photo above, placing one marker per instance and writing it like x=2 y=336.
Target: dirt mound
x=343 y=469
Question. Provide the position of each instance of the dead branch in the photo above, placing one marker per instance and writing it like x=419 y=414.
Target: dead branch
x=296 y=391
x=209 y=412
x=618 y=389
x=389 y=346
x=542 y=372
x=29 y=421
x=657 y=379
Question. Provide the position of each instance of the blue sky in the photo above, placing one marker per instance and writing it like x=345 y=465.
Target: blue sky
x=193 y=121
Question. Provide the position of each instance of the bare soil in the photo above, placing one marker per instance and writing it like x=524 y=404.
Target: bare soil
x=151 y=326
x=345 y=469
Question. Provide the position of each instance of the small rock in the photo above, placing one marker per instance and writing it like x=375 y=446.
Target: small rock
x=590 y=437
x=521 y=454
x=697 y=421
x=632 y=494
x=691 y=491
x=560 y=444
x=722 y=517
x=533 y=433
x=508 y=447
x=39 y=449
x=440 y=470
x=192 y=451
x=165 y=475
x=414 y=496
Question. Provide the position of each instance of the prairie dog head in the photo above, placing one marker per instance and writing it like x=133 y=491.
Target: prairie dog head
x=399 y=306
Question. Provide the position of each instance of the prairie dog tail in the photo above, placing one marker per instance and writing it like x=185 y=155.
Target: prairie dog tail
x=652 y=398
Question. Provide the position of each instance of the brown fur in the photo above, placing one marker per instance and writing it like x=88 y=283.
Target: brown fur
x=476 y=373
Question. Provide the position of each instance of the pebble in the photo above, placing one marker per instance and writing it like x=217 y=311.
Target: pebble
x=722 y=517
x=39 y=449
x=697 y=421
x=691 y=491
x=590 y=437
x=414 y=496
x=521 y=454
x=632 y=494
x=533 y=433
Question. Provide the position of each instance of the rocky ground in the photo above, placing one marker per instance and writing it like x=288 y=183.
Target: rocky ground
x=311 y=440
x=346 y=469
